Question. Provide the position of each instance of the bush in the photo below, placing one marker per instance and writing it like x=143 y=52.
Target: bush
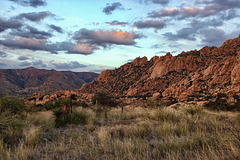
x=11 y=120
x=13 y=105
x=11 y=127
x=69 y=118
x=50 y=105
x=104 y=99
x=62 y=102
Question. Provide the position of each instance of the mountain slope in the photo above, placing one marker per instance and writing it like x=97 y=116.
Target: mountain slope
x=24 y=82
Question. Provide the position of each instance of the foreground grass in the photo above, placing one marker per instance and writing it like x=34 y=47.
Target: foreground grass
x=138 y=133
x=19 y=143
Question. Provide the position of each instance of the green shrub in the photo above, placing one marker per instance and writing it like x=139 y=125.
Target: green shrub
x=80 y=103
x=62 y=102
x=11 y=127
x=49 y=105
x=104 y=99
x=11 y=104
x=12 y=120
x=75 y=117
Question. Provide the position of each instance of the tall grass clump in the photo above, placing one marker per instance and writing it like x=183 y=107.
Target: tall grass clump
x=15 y=106
x=20 y=129
x=194 y=110
x=164 y=115
x=74 y=117
x=11 y=120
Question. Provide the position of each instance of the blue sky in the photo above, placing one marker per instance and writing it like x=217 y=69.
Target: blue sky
x=95 y=35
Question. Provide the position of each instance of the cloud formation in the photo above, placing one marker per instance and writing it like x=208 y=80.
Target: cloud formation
x=24 y=43
x=150 y=24
x=31 y=32
x=3 y=54
x=162 y=2
x=43 y=45
x=84 y=49
x=32 y=3
x=56 y=28
x=2 y=64
x=24 y=64
x=36 y=63
x=70 y=65
x=213 y=36
x=166 y=12
x=23 y=58
x=198 y=25
x=116 y=22
x=212 y=7
x=181 y=34
x=86 y=41
x=105 y=38
x=9 y=24
x=39 y=63
x=35 y=16
x=112 y=7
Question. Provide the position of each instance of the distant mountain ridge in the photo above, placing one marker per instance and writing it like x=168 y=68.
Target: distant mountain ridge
x=25 y=82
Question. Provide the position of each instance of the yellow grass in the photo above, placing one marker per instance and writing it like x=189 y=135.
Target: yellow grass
x=138 y=133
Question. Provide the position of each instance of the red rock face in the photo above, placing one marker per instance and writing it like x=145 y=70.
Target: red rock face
x=193 y=74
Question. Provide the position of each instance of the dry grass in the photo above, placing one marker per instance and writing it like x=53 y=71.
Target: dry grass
x=138 y=133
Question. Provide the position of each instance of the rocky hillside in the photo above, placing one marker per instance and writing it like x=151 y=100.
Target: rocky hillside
x=197 y=75
x=25 y=82
x=187 y=76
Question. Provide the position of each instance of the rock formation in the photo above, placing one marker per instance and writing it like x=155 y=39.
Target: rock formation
x=187 y=76
x=195 y=75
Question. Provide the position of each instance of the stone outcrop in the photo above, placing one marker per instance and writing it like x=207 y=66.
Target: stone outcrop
x=42 y=98
x=192 y=75
x=197 y=75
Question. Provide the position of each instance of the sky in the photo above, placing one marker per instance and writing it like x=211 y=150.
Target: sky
x=95 y=35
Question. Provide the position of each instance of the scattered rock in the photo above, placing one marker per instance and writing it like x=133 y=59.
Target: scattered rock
x=156 y=96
